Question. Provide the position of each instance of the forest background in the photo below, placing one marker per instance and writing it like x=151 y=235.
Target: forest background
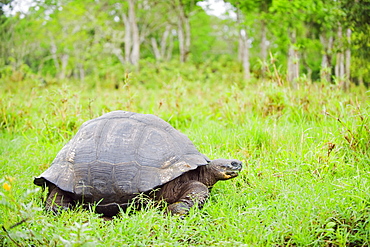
x=316 y=40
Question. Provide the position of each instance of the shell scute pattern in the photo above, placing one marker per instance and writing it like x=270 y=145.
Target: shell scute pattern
x=119 y=155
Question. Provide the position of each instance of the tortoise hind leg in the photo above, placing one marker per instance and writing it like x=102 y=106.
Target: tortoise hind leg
x=58 y=199
x=191 y=192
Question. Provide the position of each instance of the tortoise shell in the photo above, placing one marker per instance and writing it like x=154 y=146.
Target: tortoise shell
x=119 y=155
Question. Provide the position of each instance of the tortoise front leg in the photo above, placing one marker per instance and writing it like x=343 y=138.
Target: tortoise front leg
x=191 y=192
x=57 y=199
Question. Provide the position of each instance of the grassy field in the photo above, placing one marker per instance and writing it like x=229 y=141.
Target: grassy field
x=306 y=154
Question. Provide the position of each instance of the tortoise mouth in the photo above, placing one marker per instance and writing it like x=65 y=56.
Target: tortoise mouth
x=232 y=173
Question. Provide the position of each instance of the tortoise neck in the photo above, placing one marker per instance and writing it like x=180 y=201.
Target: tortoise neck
x=205 y=176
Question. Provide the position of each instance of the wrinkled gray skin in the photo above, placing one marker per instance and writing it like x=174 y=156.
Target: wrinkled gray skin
x=114 y=158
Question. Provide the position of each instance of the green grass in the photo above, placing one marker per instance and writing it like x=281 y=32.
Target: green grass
x=305 y=181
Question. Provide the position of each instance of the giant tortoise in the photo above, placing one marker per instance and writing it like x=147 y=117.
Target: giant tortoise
x=116 y=157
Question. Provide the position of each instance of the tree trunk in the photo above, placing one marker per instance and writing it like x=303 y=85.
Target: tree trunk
x=240 y=48
x=61 y=67
x=339 y=66
x=160 y=52
x=53 y=51
x=181 y=38
x=64 y=59
x=263 y=46
x=128 y=41
x=187 y=38
x=81 y=71
x=135 y=53
x=325 y=70
x=243 y=48
x=348 y=60
x=164 y=40
x=132 y=37
x=293 y=60
x=244 y=53
x=157 y=53
x=169 y=49
x=183 y=32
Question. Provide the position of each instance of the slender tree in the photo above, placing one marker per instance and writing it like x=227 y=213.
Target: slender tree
x=184 y=9
x=246 y=14
x=132 y=38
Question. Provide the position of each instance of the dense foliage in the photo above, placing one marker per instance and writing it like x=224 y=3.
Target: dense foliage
x=319 y=40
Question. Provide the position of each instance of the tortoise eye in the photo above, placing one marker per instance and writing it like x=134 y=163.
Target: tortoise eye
x=237 y=164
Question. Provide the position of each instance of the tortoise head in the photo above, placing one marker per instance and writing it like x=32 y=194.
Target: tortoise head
x=224 y=169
